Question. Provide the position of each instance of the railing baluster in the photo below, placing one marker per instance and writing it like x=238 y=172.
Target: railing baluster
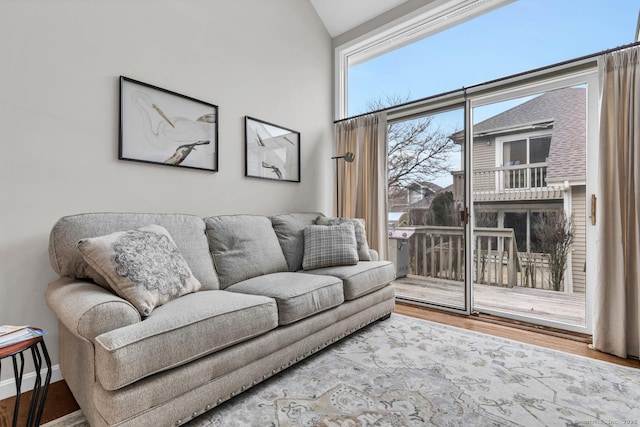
x=478 y=259
x=450 y=258
x=489 y=256
x=424 y=256
x=433 y=258
x=416 y=252
x=459 y=259
x=511 y=266
x=500 y=267
x=440 y=263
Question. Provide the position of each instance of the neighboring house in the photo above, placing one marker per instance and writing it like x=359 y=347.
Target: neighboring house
x=416 y=196
x=530 y=159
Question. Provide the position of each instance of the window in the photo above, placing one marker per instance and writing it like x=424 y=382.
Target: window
x=518 y=222
x=525 y=162
x=526 y=224
x=515 y=152
x=539 y=149
x=457 y=43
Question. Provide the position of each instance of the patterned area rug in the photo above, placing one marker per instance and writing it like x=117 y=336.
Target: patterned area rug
x=410 y=372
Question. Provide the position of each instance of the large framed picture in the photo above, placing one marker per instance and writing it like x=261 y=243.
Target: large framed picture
x=163 y=127
x=271 y=151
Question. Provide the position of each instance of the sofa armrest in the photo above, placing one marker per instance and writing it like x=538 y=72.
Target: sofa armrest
x=87 y=310
x=374 y=255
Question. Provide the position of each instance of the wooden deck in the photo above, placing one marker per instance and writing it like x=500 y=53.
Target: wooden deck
x=535 y=303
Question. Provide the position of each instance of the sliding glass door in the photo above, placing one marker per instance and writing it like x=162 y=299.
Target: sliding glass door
x=426 y=194
x=510 y=233
x=529 y=203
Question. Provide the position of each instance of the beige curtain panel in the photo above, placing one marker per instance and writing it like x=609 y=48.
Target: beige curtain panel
x=362 y=184
x=617 y=293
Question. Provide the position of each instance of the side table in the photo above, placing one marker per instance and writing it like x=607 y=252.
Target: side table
x=38 y=352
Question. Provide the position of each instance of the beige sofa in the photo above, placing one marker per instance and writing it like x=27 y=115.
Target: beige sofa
x=259 y=294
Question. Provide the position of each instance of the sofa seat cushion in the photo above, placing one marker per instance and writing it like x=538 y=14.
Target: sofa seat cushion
x=179 y=331
x=243 y=246
x=360 y=279
x=298 y=295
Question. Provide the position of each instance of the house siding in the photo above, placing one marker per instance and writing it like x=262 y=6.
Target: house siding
x=484 y=157
x=578 y=255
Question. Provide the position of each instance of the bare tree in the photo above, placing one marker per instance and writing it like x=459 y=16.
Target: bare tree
x=555 y=233
x=418 y=148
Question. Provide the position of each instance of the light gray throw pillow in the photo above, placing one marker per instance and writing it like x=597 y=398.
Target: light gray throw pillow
x=143 y=266
x=329 y=246
x=361 y=234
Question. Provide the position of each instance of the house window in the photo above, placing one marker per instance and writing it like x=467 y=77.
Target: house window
x=515 y=152
x=518 y=222
x=539 y=149
x=525 y=162
x=524 y=225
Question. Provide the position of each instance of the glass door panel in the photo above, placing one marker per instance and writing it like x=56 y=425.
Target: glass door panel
x=529 y=204
x=426 y=194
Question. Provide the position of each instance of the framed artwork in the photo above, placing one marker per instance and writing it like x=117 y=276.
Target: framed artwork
x=271 y=151
x=163 y=127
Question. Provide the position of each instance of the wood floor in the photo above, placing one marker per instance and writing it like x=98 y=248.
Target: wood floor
x=560 y=307
x=60 y=401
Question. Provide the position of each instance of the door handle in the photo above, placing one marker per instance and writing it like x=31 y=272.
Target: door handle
x=464 y=215
x=593 y=209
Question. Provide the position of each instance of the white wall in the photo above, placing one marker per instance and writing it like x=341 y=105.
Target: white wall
x=59 y=67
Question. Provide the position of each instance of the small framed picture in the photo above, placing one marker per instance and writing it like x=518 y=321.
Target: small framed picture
x=163 y=127
x=271 y=151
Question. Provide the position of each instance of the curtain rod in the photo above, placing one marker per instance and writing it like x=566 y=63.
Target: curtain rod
x=489 y=82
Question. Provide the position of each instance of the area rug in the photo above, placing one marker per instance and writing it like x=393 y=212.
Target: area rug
x=411 y=372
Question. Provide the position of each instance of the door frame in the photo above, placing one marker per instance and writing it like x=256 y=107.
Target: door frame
x=588 y=77
x=564 y=75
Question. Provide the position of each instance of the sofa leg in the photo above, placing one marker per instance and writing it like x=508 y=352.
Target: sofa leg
x=384 y=317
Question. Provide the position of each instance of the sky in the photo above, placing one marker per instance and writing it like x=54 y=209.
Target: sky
x=520 y=36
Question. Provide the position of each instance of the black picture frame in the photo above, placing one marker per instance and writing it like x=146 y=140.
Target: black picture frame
x=271 y=151
x=163 y=127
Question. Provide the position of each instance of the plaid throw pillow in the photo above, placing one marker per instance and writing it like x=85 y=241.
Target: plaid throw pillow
x=361 y=235
x=329 y=246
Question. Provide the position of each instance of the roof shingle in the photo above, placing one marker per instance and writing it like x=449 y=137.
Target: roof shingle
x=566 y=108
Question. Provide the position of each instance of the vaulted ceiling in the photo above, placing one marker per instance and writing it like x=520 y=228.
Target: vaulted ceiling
x=340 y=16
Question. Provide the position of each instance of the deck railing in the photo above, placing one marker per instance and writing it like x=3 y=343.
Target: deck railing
x=438 y=252
x=519 y=182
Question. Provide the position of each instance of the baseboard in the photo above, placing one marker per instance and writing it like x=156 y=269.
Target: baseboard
x=8 y=386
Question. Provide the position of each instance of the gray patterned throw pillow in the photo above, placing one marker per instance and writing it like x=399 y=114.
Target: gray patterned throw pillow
x=143 y=266
x=361 y=234
x=329 y=246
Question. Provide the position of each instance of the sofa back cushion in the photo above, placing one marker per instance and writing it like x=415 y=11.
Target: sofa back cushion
x=243 y=246
x=290 y=231
x=187 y=231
